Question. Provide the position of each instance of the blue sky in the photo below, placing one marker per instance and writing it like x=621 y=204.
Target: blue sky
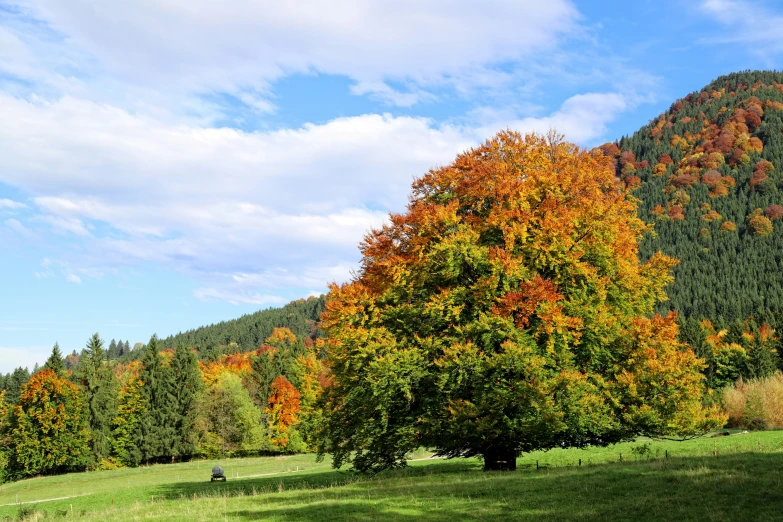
x=171 y=164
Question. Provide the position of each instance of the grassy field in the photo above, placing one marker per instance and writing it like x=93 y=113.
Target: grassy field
x=728 y=478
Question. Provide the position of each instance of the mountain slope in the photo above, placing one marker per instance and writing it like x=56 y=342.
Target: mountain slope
x=249 y=331
x=709 y=175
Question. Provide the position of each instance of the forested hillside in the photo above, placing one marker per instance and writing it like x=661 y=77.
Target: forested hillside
x=708 y=174
x=249 y=331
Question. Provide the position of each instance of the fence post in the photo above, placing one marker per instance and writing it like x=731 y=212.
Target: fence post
x=621 y=457
x=536 y=465
x=580 y=462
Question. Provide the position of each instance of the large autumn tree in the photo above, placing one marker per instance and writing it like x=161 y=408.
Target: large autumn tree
x=506 y=311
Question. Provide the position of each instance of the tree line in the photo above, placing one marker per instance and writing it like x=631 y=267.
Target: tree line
x=164 y=406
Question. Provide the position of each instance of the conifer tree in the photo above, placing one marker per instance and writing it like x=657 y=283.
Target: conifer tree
x=55 y=361
x=112 y=352
x=14 y=383
x=155 y=433
x=186 y=384
x=100 y=392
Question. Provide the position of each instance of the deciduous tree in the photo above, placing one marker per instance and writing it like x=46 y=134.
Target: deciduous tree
x=504 y=312
x=49 y=428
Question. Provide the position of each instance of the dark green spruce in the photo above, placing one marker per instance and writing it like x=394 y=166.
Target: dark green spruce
x=100 y=392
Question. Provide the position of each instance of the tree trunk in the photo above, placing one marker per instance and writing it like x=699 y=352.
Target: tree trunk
x=500 y=459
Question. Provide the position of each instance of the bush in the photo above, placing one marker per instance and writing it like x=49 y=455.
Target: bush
x=755 y=404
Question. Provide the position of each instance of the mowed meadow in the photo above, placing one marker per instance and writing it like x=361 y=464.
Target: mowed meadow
x=735 y=477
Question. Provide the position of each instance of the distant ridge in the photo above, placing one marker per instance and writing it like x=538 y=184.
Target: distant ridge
x=249 y=331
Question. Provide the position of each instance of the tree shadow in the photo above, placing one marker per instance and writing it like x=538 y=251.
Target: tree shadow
x=731 y=487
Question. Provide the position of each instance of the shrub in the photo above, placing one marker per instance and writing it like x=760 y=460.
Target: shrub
x=755 y=404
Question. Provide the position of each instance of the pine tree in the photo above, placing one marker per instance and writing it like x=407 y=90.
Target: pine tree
x=100 y=391
x=55 y=361
x=112 y=352
x=155 y=433
x=186 y=384
x=14 y=384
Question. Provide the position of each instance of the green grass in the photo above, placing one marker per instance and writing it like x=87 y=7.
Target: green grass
x=742 y=482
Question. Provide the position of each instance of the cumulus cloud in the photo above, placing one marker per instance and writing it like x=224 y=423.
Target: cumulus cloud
x=242 y=46
x=246 y=213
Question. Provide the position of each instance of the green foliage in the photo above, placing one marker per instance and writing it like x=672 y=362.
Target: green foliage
x=131 y=409
x=186 y=383
x=228 y=421
x=156 y=434
x=732 y=275
x=5 y=440
x=55 y=362
x=506 y=311
x=100 y=392
x=250 y=331
x=13 y=384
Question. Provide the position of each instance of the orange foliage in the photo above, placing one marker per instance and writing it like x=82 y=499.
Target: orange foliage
x=610 y=149
x=238 y=363
x=711 y=216
x=283 y=410
x=758 y=224
x=676 y=213
x=684 y=180
x=755 y=144
x=728 y=226
x=633 y=182
x=281 y=336
x=523 y=303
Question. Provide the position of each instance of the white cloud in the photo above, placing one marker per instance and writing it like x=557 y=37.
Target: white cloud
x=52 y=267
x=242 y=46
x=751 y=23
x=18 y=227
x=7 y=204
x=248 y=213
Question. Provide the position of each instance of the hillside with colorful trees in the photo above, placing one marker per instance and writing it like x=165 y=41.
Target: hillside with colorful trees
x=708 y=174
x=166 y=406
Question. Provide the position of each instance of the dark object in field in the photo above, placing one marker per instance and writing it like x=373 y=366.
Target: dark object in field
x=721 y=434
x=217 y=474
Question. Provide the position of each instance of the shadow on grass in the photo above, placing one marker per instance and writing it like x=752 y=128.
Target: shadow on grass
x=732 y=487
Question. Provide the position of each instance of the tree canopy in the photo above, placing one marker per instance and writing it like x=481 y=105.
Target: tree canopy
x=506 y=311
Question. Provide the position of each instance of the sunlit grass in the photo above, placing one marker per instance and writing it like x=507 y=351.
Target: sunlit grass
x=726 y=478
